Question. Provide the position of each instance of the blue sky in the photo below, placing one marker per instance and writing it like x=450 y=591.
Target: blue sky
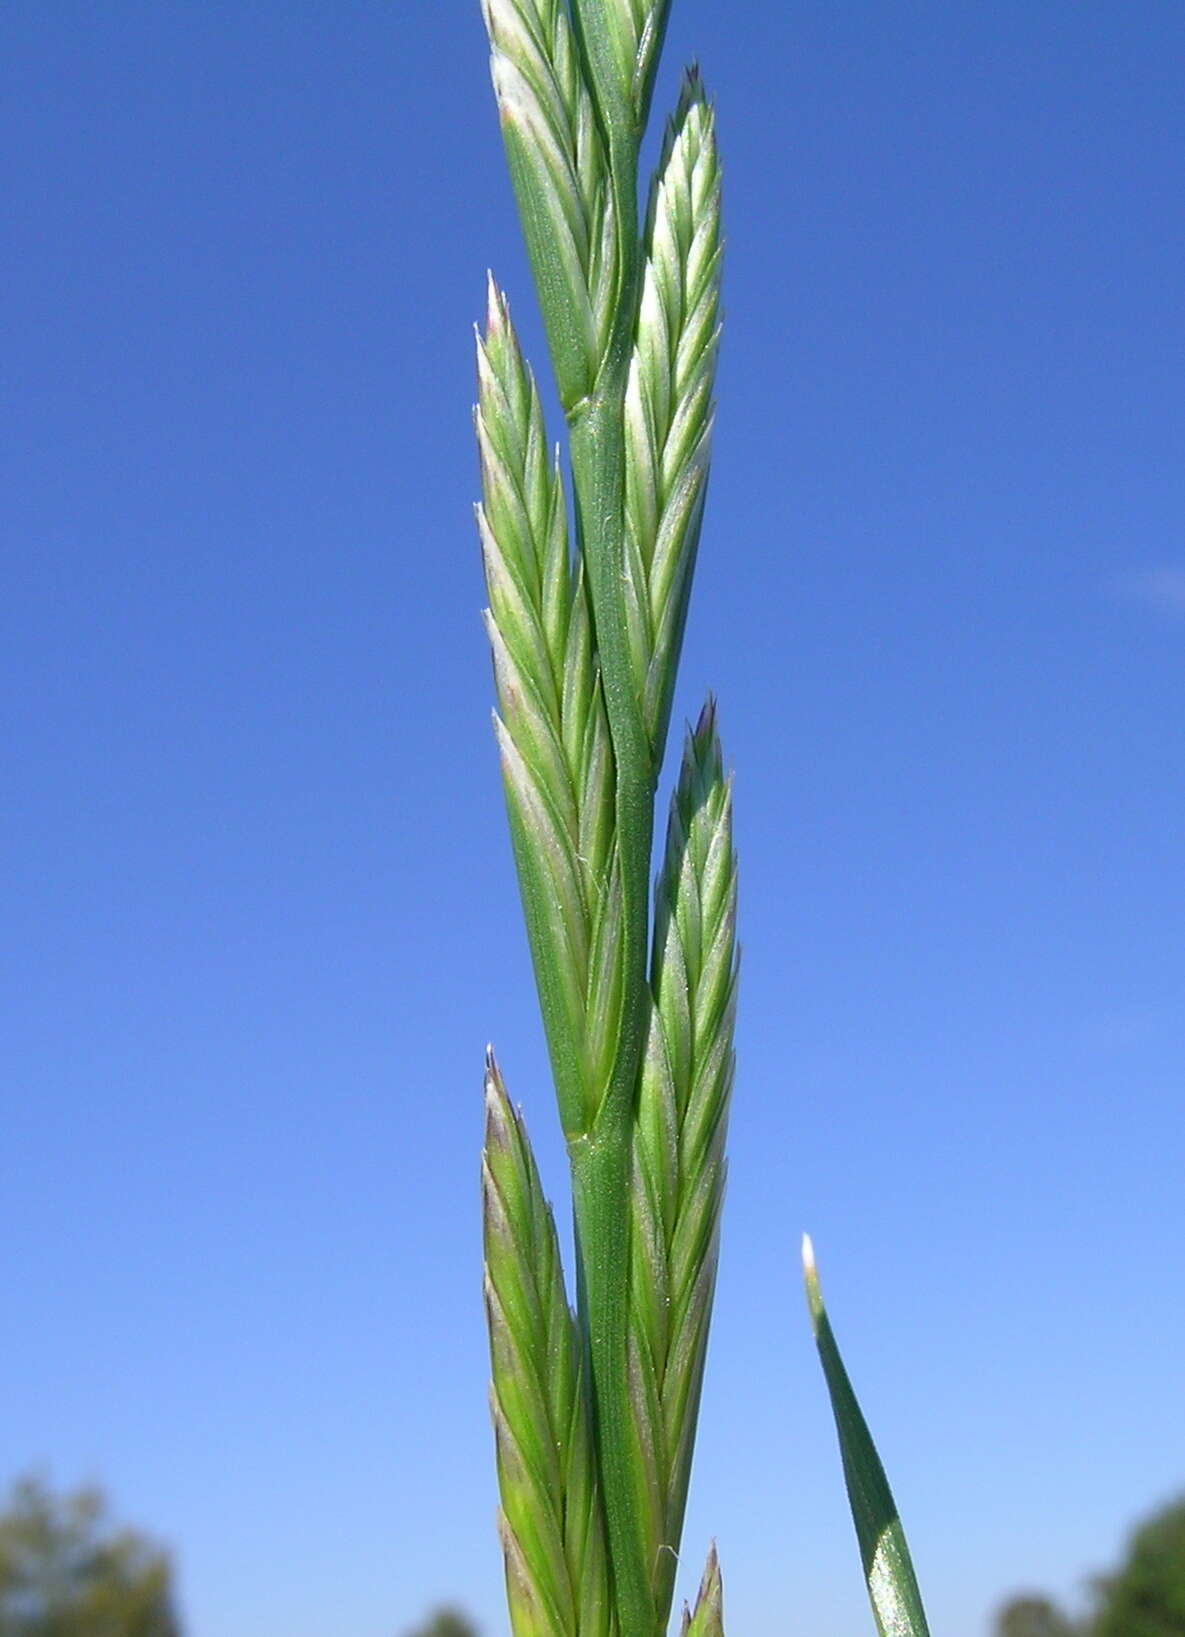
x=258 y=905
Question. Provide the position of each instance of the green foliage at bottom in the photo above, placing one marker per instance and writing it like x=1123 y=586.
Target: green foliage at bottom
x=66 y=1572
x=446 y=1622
x=1145 y=1597
x=1033 y=1617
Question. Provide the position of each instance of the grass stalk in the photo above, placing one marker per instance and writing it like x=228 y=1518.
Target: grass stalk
x=595 y=1407
x=573 y=90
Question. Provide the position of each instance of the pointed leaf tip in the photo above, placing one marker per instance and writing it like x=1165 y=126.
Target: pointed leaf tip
x=810 y=1274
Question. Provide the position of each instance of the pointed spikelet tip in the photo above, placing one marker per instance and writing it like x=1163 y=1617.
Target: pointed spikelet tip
x=497 y=311
x=706 y=725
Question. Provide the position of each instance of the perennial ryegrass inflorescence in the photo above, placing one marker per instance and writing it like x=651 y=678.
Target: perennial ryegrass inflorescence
x=595 y=1409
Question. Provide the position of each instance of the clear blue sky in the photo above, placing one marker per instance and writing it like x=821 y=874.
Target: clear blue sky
x=258 y=907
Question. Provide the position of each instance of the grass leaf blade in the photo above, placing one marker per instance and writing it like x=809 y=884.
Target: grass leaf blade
x=888 y=1568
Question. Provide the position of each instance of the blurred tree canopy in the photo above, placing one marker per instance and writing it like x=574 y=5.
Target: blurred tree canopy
x=1033 y=1617
x=1145 y=1597
x=443 y=1623
x=66 y=1572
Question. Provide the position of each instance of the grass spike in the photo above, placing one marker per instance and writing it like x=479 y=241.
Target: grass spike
x=578 y=711
x=595 y=1412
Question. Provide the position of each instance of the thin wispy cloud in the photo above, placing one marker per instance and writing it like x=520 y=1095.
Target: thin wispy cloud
x=1160 y=589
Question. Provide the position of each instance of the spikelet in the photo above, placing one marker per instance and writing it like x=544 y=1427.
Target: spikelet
x=623 y=39
x=707 y=1618
x=552 y=735
x=561 y=181
x=668 y=405
x=678 y=1173
x=550 y=1521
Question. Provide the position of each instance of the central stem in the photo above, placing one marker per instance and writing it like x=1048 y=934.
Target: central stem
x=600 y=1198
x=601 y=1157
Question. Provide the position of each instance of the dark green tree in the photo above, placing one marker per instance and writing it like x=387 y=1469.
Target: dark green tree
x=445 y=1623
x=1146 y=1596
x=66 y=1572
x=1034 y=1617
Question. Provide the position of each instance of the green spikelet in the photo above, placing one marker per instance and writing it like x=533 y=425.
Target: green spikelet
x=679 y=1169
x=552 y=734
x=707 y=1618
x=622 y=40
x=552 y=1532
x=561 y=181
x=668 y=404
